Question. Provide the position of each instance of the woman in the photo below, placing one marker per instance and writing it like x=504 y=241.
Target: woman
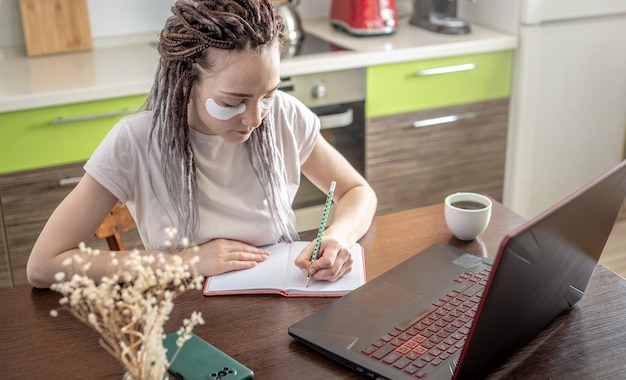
x=216 y=153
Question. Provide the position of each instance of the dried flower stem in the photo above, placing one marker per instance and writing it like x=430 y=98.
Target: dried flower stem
x=129 y=308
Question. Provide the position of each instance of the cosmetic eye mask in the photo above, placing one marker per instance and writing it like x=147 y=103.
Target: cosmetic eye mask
x=223 y=113
x=266 y=103
x=226 y=113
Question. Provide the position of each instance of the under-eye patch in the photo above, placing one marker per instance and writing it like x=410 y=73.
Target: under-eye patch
x=266 y=103
x=223 y=113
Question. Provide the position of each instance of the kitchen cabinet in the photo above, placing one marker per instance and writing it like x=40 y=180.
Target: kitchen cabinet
x=28 y=198
x=50 y=136
x=42 y=154
x=431 y=135
x=417 y=85
x=410 y=167
x=5 y=277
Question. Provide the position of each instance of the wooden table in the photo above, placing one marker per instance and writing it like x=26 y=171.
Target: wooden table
x=588 y=341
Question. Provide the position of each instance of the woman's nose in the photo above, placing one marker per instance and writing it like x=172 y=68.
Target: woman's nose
x=253 y=115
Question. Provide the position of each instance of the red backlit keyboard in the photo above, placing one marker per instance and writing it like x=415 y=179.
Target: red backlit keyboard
x=433 y=337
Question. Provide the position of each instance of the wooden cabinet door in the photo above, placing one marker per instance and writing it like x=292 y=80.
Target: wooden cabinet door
x=5 y=276
x=417 y=158
x=28 y=199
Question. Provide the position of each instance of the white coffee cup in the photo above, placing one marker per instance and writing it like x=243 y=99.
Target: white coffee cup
x=467 y=214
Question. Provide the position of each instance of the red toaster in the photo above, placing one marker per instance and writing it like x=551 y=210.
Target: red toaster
x=364 y=17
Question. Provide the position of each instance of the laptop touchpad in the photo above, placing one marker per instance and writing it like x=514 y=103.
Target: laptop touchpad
x=381 y=300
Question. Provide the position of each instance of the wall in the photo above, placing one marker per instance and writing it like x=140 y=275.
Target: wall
x=496 y=14
x=10 y=24
x=111 y=19
x=115 y=18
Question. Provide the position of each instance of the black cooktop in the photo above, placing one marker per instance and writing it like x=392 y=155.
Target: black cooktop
x=310 y=44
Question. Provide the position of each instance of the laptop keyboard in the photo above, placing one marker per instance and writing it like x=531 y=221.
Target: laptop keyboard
x=423 y=344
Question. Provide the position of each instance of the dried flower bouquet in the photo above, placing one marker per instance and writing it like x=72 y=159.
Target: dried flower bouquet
x=129 y=308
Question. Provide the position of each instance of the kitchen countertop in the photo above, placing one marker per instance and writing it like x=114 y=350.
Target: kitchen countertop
x=127 y=70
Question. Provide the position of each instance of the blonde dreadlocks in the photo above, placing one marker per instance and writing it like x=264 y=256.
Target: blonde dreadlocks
x=188 y=35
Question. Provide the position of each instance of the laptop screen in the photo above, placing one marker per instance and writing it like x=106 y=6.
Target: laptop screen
x=543 y=268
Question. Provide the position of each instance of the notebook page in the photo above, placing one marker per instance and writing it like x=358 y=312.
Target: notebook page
x=268 y=274
x=297 y=280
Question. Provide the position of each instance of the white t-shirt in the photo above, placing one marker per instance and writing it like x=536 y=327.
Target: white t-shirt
x=231 y=201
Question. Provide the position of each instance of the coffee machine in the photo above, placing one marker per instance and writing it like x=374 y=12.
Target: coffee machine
x=438 y=16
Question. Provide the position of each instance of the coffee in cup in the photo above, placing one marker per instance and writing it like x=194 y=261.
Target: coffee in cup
x=467 y=214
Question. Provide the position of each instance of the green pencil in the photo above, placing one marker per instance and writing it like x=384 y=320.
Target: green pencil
x=320 y=231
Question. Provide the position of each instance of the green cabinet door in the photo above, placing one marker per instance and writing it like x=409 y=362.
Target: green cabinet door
x=418 y=85
x=50 y=136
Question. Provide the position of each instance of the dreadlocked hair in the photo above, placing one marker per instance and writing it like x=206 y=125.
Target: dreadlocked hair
x=194 y=27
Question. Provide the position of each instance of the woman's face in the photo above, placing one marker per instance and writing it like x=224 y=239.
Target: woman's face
x=232 y=100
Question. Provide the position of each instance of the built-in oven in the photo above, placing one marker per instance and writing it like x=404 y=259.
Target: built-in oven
x=338 y=99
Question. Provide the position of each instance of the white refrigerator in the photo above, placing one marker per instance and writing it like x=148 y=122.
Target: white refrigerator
x=568 y=103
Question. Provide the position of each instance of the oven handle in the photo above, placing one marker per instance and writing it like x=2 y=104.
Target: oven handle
x=337 y=120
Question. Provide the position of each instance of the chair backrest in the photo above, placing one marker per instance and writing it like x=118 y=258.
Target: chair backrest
x=118 y=221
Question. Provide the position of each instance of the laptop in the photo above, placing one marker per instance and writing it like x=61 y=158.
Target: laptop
x=422 y=319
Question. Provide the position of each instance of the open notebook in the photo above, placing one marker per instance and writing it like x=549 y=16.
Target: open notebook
x=279 y=275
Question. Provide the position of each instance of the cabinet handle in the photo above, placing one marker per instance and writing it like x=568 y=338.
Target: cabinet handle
x=65 y=120
x=447 y=69
x=70 y=181
x=443 y=119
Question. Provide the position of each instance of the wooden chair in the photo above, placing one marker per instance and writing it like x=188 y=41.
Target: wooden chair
x=111 y=229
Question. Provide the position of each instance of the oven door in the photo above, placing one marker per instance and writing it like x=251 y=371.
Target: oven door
x=343 y=126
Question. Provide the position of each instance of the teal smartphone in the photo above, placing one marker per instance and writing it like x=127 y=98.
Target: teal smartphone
x=199 y=360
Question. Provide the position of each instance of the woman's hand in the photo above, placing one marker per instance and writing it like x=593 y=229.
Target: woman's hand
x=223 y=255
x=333 y=260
